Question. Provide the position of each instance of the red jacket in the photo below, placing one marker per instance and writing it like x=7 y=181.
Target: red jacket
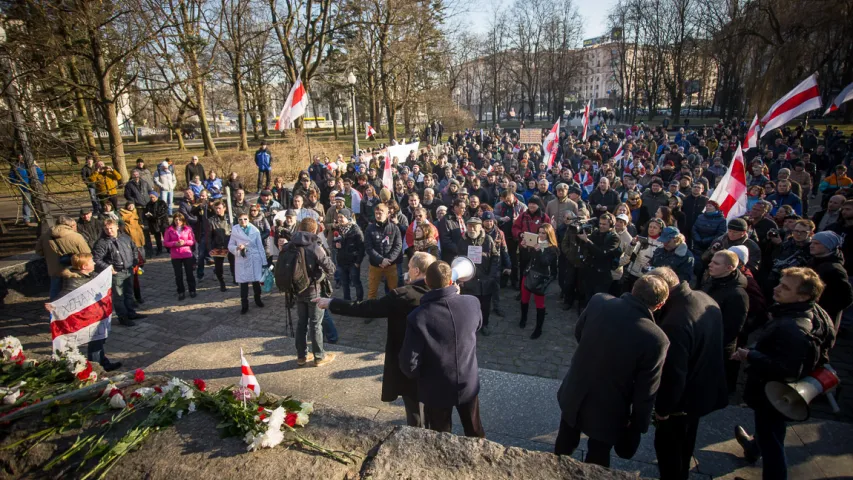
x=529 y=223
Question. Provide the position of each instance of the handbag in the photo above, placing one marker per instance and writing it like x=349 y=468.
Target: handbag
x=536 y=282
x=268 y=280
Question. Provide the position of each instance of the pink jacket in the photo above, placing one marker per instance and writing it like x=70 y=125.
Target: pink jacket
x=170 y=240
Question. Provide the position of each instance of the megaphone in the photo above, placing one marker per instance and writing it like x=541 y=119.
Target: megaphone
x=462 y=269
x=792 y=399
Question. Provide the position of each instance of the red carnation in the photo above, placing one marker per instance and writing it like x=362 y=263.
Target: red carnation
x=290 y=420
x=158 y=389
x=139 y=376
x=84 y=375
x=200 y=385
x=19 y=358
x=262 y=417
x=115 y=392
x=260 y=409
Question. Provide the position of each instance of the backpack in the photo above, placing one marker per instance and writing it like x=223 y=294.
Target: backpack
x=821 y=339
x=291 y=271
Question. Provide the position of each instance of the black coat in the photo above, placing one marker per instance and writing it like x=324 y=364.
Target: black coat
x=157 y=216
x=487 y=273
x=350 y=245
x=608 y=199
x=382 y=242
x=600 y=252
x=90 y=230
x=604 y=390
x=440 y=349
x=693 y=379
x=218 y=231
x=449 y=236
x=692 y=208
x=137 y=192
x=730 y=294
x=838 y=294
x=119 y=252
x=396 y=306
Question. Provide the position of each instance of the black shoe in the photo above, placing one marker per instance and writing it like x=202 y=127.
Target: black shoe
x=126 y=322
x=137 y=316
x=751 y=452
x=140 y=300
x=222 y=287
x=258 y=302
x=244 y=310
x=193 y=295
x=109 y=366
x=181 y=296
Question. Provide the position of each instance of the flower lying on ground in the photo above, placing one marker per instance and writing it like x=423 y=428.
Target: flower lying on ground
x=12 y=349
x=77 y=364
x=200 y=385
x=139 y=376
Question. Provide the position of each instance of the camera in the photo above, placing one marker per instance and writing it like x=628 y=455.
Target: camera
x=773 y=233
x=644 y=241
x=579 y=227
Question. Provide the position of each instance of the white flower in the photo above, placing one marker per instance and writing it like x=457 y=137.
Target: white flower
x=145 y=391
x=109 y=388
x=93 y=377
x=180 y=414
x=11 y=347
x=273 y=435
x=249 y=438
x=117 y=401
x=257 y=419
x=307 y=408
x=11 y=398
x=302 y=419
x=191 y=408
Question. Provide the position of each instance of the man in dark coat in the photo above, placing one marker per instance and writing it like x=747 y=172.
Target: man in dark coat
x=727 y=285
x=617 y=411
x=451 y=230
x=396 y=305
x=483 y=251
x=828 y=262
x=693 y=382
x=89 y=226
x=440 y=351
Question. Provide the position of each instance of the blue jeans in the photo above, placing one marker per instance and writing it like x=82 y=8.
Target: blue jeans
x=770 y=430
x=169 y=198
x=55 y=287
x=96 y=205
x=351 y=276
x=309 y=324
x=329 y=330
x=123 y=293
x=27 y=211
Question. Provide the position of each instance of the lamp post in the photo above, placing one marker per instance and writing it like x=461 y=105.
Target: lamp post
x=351 y=81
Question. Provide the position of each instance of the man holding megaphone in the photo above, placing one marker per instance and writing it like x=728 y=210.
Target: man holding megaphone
x=795 y=341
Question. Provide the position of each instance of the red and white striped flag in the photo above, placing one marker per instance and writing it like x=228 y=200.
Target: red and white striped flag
x=294 y=107
x=730 y=193
x=369 y=131
x=845 y=96
x=387 y=176
x=585 y=120
x=619 y=153
x=551 y=144
x=248 y=379
x=84 y=314
x=751 y=139
x=804 y=98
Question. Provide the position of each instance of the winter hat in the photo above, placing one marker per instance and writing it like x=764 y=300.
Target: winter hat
x=535 y=200
x=346 y=212
x=657 y=180
x=830 y=240
x=742 y=253
x=384 y=195
x=668 y=234
x=266 y=193
x=737 y=225
x=472 y=220
x=574 y=189
x=487 y=216
x=152 y=192
x=165 y=164
x=291 y=213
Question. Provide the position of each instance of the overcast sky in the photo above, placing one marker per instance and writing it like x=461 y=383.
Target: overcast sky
x=594 y=14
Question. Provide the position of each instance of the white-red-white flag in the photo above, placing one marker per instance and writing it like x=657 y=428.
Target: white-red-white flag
x=845 y=96
x=84 y=314
x=551 y=144
x=294 y=107
x=730 y=193
x=387 y=175
x=585 y=121
x=804 y=98
x=247 y=378
x=369 y=131
x=620 y=153
x=751 y=138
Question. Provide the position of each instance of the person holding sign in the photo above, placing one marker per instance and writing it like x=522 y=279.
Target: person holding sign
x=483 y=251
x=541 y=270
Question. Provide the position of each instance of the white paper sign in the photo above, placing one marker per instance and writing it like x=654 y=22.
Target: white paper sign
x=475 y=254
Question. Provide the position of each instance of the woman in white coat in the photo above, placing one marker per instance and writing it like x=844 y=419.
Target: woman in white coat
x=250 y=259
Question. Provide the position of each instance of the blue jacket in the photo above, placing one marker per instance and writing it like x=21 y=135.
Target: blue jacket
x=706 y=228
x=214 y=187
x=778 y=199
x=440 y=349
x=19 y=175
x=263 y=159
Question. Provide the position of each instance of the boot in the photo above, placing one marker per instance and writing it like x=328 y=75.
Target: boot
x=524 y=309
x=256 y=287
x=222 y=284
x=244 y=303
x=258 y=301
x=540 y=319
x=750 y=447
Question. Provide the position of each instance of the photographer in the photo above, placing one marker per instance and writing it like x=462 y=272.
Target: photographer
x=643 y=250
x=285 y=226
x=790 y=252
x=105 y=181
x=248 y=250
x=528 y=222
x=599 y=252
x=674 y=254
x=570 y=247
x=736 y=234
x=536 y=278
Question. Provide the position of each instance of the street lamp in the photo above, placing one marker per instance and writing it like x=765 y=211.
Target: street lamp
x=351 y=81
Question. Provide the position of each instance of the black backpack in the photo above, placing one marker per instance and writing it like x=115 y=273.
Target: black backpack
x=291 y=271
x=821 y=339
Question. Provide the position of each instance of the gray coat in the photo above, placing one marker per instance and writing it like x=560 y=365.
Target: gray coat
x=616 y=369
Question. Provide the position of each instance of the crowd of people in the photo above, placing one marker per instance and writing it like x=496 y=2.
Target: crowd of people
x=637 y=235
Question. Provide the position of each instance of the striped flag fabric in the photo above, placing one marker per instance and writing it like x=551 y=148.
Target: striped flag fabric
x=585 y=121
x=845 y=96
x=248 y=379
x=730 y=193
x=551 y=144
x=294 y=107
x=805 y=97
x=369 y=131
x=751 y=139
x=84 y=314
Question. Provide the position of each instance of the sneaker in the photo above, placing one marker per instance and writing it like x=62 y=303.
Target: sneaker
x=300 y=362
x=751 y=452
x=329 y=358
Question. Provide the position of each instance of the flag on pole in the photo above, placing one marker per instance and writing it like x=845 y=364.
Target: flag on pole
x=551 y=144
x=617 y=157
x=84 y=314
x=845 y=96
x=585 y=121
x=730 y=193
x=804 y=98
x=248 y=379
x=387 y=176
x=294 y=107
x=751 y=139
x=368 y=131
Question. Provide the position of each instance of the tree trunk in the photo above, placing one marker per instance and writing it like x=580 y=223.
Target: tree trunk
x=241 y=109
x=107 y=103
x=85 y=126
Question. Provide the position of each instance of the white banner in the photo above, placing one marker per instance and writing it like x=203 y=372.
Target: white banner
x=84 y=314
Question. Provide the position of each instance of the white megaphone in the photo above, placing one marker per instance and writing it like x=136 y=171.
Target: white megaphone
x=462 y=269
x=792 y=399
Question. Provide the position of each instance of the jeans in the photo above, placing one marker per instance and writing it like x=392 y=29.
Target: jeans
x=123 y=293
x=201 y=251
x=181 y=266
x=26 y=199
x=770 y=430
x=329 y=330
x=96 y=205
x=376 y=274
x=351 y=275
x=169 y=198
x=309 y=322
x=262 y=174
x=55 y=288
